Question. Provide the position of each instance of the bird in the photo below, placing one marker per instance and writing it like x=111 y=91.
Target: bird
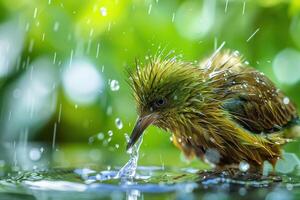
x=220 y=110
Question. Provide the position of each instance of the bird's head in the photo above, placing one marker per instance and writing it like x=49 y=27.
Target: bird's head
x=163 y=90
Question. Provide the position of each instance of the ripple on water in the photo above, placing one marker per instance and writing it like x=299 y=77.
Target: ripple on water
x=147 y=180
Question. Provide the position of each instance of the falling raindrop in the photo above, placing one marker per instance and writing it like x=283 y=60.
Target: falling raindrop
x=226 y=6
x=98 y=49
x=31 y=44
x=244 y=6
x=252 y=35
x=54 y=58
x=59 y=113
x=244 y=166
x=149 y=9
x=35 y=13
x=114 y=85
x=54 y=135
x=71 y=57
x=173 y=17
x=119 y=123
x=56 y=26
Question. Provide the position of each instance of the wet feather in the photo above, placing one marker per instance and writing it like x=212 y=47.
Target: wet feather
x=220 y=104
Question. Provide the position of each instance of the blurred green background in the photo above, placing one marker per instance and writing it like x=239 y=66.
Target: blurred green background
x=62 y=64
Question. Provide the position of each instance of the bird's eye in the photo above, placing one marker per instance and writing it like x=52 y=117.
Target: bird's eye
x=160 y=102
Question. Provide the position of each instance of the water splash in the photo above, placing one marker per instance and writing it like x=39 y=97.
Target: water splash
x=125 y=174
x=129 y=169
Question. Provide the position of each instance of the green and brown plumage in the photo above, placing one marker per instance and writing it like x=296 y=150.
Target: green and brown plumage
x=219 y=107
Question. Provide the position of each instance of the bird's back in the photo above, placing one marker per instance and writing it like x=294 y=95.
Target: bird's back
x=251 y=99
x=252 y=118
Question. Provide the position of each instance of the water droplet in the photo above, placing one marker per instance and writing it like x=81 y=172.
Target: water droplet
x=212 y=156
x=110 y=133
x=100 y=136
x=127 y=138
x=103 y=11
x=114 y=85
x=34 y=154
x=244 y=166
x=236 y=53
x=286 y=100
x=91 y=140
x=119 y=123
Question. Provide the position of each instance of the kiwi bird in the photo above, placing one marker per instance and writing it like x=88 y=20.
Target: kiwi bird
x=220 y=110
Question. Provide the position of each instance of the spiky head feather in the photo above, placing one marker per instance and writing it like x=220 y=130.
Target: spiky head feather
x=166 y=86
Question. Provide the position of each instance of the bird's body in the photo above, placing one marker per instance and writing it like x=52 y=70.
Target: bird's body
x=221 y=110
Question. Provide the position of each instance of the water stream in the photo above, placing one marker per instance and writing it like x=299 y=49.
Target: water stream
x=129 y=169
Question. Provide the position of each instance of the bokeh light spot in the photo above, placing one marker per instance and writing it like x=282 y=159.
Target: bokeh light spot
x=286 y=66
x=194 y=20
x=82 y=82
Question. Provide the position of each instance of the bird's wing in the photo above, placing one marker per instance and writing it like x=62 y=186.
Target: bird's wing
x=249 y=96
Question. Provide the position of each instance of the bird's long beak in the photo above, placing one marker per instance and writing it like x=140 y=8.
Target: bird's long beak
x=141 y=124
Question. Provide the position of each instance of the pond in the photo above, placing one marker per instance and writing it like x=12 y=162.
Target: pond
x=36 y=171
